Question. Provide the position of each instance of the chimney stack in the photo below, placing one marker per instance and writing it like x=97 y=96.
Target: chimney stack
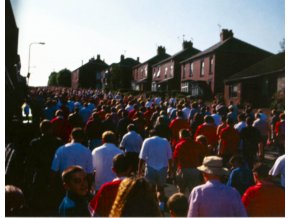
x=161 y=50
x=138 y=59
x=226 y=34
x=98 y=57
x=122 y=58
x=187 y=44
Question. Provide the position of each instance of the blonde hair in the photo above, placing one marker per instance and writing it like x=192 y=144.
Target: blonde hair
x=135 y=197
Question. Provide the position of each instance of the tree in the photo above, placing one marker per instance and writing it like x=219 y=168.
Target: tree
x=64 y=78
x=52 y=79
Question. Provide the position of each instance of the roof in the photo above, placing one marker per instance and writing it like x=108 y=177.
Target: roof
x=229 y=45
x=182 y=54
x=155 y=59
x=272 y=64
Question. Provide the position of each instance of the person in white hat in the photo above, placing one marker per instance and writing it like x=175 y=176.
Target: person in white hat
x=214 y=199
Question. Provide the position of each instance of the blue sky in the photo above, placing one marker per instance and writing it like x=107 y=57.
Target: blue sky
x=75 y=30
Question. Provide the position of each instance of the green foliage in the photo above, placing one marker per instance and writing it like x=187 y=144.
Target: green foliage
x=52 y=79
x=61 y=78
x=64 y=78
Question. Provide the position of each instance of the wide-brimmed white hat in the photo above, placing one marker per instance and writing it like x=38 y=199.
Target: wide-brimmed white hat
x=213 y=165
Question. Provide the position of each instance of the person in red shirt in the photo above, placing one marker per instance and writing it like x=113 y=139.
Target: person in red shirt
x=229 y=142
x=61 y=127
x=102 y=202
x=264 y=199
x=176 y=125
x=187 y=155
x=208 y=129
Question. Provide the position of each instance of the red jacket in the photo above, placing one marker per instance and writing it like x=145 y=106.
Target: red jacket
x=209 y=131
x=264 y=199
x=175 y=126
x=103 y=201
x=230 y=140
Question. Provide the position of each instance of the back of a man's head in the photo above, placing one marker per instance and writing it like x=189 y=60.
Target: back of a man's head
x=45 y=127
x=261 y=170
x=184 y=133
x=78 y=134
x=121 y=164
x=109 y=137
x=178 y=205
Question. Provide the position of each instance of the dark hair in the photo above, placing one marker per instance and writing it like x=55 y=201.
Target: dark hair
x=131 y=127
x=120 y=163
x=261 y=169
x=184 y=133
x=208 y=119
x=178 y=204
x=67 y=173
x=78 y=134
x=249 y=121
x=45 y=126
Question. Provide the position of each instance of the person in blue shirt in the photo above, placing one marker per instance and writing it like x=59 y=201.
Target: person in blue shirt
x=75 y=202
x=241 y=176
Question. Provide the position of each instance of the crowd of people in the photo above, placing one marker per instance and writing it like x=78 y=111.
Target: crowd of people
x=98 y=153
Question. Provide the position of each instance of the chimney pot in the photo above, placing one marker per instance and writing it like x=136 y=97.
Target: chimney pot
x=187 y=44
x=226 y=34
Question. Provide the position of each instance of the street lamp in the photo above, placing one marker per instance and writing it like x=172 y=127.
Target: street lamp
x=32 y=43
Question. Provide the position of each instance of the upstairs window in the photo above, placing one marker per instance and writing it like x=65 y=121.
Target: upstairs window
x=165 y=73
x=158 y=73
x=202 y=68
x=211 y=65
x=191 y=70
x=233 y=90
x=183 y=71
x=171 y=70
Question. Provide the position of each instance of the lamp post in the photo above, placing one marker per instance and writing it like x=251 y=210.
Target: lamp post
x=32 y=43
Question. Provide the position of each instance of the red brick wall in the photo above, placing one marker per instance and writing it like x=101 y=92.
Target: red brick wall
x=208 y=76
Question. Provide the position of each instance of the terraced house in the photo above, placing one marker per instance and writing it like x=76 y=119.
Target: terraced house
x=258 y=83
x=203 y=74
x=166 y=73
x=142 y=73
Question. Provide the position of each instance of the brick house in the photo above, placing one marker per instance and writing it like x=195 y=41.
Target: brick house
x=203 y=74
x=257 y=83
x=166 y=73
x=120 y=74
x=142 y=73
x=90 y=75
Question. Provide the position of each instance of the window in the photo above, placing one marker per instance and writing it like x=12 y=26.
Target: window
x=165 y=73
x=202 y=68
x=158 y=73
x=146 y=71
x=233 y=90
x=211 y=65
x=183 y=71
x=142 y=73
x=171 y=70
x=191 y=70
x=184 y=87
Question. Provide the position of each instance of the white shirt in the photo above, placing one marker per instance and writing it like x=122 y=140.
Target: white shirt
x=131 y=142
x=103 y=163
x=72 y=154
x=279 y=168
x=156 y=152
